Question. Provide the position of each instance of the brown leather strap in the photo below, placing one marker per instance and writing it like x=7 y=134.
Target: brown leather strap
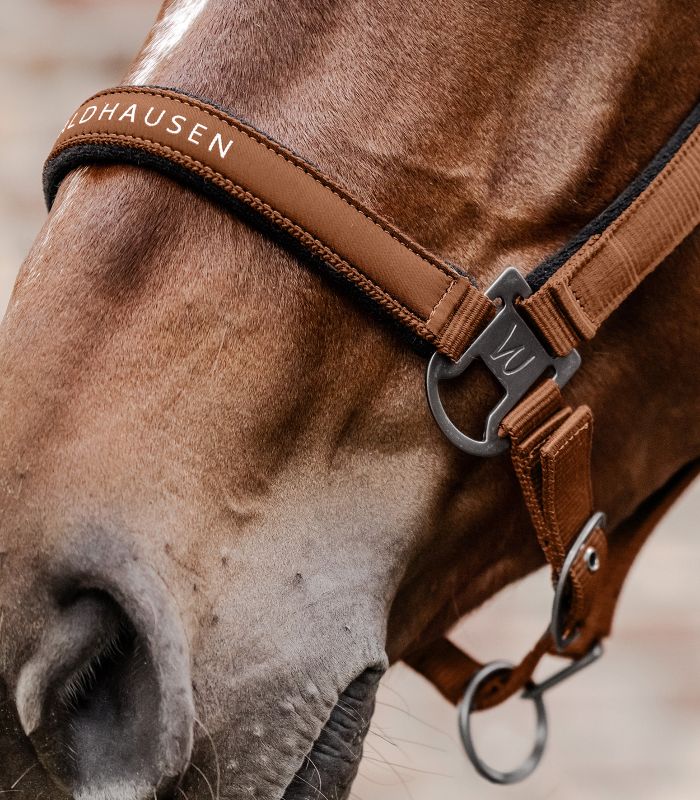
x=450 y=670
x=419 y=289
x=186 y=136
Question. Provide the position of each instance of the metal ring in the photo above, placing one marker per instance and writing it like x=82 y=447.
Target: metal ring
x=465 y=713
x=561 y=640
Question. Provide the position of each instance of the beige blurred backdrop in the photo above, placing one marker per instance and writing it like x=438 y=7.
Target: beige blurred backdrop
x=629 y=727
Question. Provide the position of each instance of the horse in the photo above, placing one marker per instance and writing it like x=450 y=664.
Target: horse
x=217 y=534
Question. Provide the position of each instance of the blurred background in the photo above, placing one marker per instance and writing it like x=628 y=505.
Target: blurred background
x=629 y=727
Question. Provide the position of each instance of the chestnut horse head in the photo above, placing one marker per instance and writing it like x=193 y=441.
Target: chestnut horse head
x=215 y=535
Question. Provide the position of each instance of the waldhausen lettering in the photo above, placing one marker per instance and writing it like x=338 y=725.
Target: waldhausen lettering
x=196 y=133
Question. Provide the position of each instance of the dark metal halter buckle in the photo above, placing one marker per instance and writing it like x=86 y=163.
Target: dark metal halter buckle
x=515 y=356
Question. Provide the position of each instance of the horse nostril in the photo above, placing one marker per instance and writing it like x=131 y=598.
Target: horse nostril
x=99 y=714
x=105 y=702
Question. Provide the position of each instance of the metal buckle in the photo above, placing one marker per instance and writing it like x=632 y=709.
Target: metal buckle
x=512 y=352
x=561 y=640
x=534 y=692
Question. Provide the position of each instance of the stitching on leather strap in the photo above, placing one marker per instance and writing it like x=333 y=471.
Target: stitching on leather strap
x=435 y=307
x=406 y=315
x=280 y=153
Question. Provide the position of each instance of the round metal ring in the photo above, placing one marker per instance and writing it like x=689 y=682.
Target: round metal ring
x=465 y=713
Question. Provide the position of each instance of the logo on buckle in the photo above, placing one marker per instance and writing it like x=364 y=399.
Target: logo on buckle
x=512 y=353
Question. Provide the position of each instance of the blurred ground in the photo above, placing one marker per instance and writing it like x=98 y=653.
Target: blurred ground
x=627 y=728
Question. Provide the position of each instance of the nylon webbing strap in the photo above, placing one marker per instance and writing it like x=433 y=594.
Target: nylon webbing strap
x=551 y=453
x=583 y=292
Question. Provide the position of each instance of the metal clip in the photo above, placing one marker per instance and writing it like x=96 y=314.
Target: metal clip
x=559 y=634
x=534 y=692
x=512 y=352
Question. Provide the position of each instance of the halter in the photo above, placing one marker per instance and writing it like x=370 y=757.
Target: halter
x=525 y=330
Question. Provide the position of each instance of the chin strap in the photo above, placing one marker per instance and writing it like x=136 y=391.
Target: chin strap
x=521 y=335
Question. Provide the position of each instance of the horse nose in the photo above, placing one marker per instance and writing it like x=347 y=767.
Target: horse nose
x=106 y=695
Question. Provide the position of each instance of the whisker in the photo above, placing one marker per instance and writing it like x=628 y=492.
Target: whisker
x=413 y=716
x=421 y=744
x=384 y=687
x=216 y=756
x=316 y=770
x=401 y=778
x=375 y=730
x=352 y=713
x=374 y=781
x=410 y=769
x=22 y=776
x=349 y=749
x=382 y=760
x=320 y=793
x=206 y=780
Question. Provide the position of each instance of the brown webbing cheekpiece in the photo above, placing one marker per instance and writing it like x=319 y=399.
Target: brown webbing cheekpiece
x=583 y=293
x=199 y=144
